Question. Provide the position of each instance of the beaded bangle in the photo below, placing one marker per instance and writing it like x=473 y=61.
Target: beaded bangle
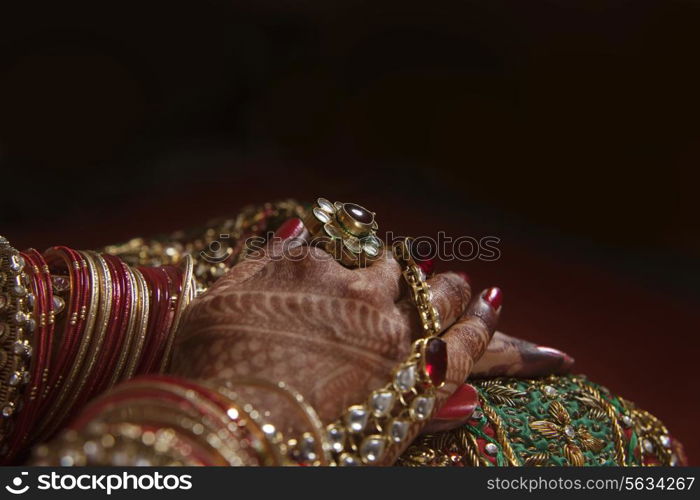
x=15 y=326
x=41 y=299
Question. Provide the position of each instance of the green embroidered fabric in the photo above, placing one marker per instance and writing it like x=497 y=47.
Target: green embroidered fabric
x=552 y=421
x=519 y=403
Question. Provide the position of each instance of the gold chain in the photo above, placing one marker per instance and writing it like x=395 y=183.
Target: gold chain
x=420 y=290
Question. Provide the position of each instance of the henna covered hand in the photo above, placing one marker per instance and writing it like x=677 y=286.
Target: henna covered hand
x=334 y=334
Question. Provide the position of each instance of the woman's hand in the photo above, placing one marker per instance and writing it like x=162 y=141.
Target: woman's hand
x=333 y=334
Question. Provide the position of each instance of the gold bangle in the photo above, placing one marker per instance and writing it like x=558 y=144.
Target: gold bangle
x=129 y=333
x=141 y=325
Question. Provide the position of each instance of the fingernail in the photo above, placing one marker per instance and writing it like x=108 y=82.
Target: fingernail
x=494 y=296
x=426 y=265
x=463 y=275
x=566 y=360
x=460 y=405
x=291 y=228
x=551 y=351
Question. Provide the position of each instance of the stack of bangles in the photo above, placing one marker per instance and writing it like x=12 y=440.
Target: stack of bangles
x=72 y=325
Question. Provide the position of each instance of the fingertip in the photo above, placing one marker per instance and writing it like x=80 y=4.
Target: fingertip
x=494 y=296
x=464 y=276
x=460 y=405
x=291 y=228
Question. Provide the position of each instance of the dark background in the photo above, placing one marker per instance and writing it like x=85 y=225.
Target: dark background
x=567 y=128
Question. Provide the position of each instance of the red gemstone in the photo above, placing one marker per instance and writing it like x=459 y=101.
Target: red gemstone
x=360 y=214
x=427 y=266
x=436 y=360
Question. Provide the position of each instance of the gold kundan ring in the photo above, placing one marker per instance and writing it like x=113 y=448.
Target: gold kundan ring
x=347 y=231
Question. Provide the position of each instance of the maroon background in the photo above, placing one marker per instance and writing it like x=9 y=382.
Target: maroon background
x=568 y=128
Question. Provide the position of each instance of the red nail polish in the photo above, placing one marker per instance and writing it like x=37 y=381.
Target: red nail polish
x=426 y=265
x=290 y=228
x=463 y=275
x=460 y=405
x=494 y=296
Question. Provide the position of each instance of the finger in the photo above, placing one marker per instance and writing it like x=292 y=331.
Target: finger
x=290 y=235
x=450 y=294
x=466 y=341
x=510 y=356
x=468 y=338
x=456 y=411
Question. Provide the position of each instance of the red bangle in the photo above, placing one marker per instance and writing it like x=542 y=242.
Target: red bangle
x=60 y=260
x=129 y=290
x=154 y=299
x=176 y=275
x=173 y=277
x=160 y=294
